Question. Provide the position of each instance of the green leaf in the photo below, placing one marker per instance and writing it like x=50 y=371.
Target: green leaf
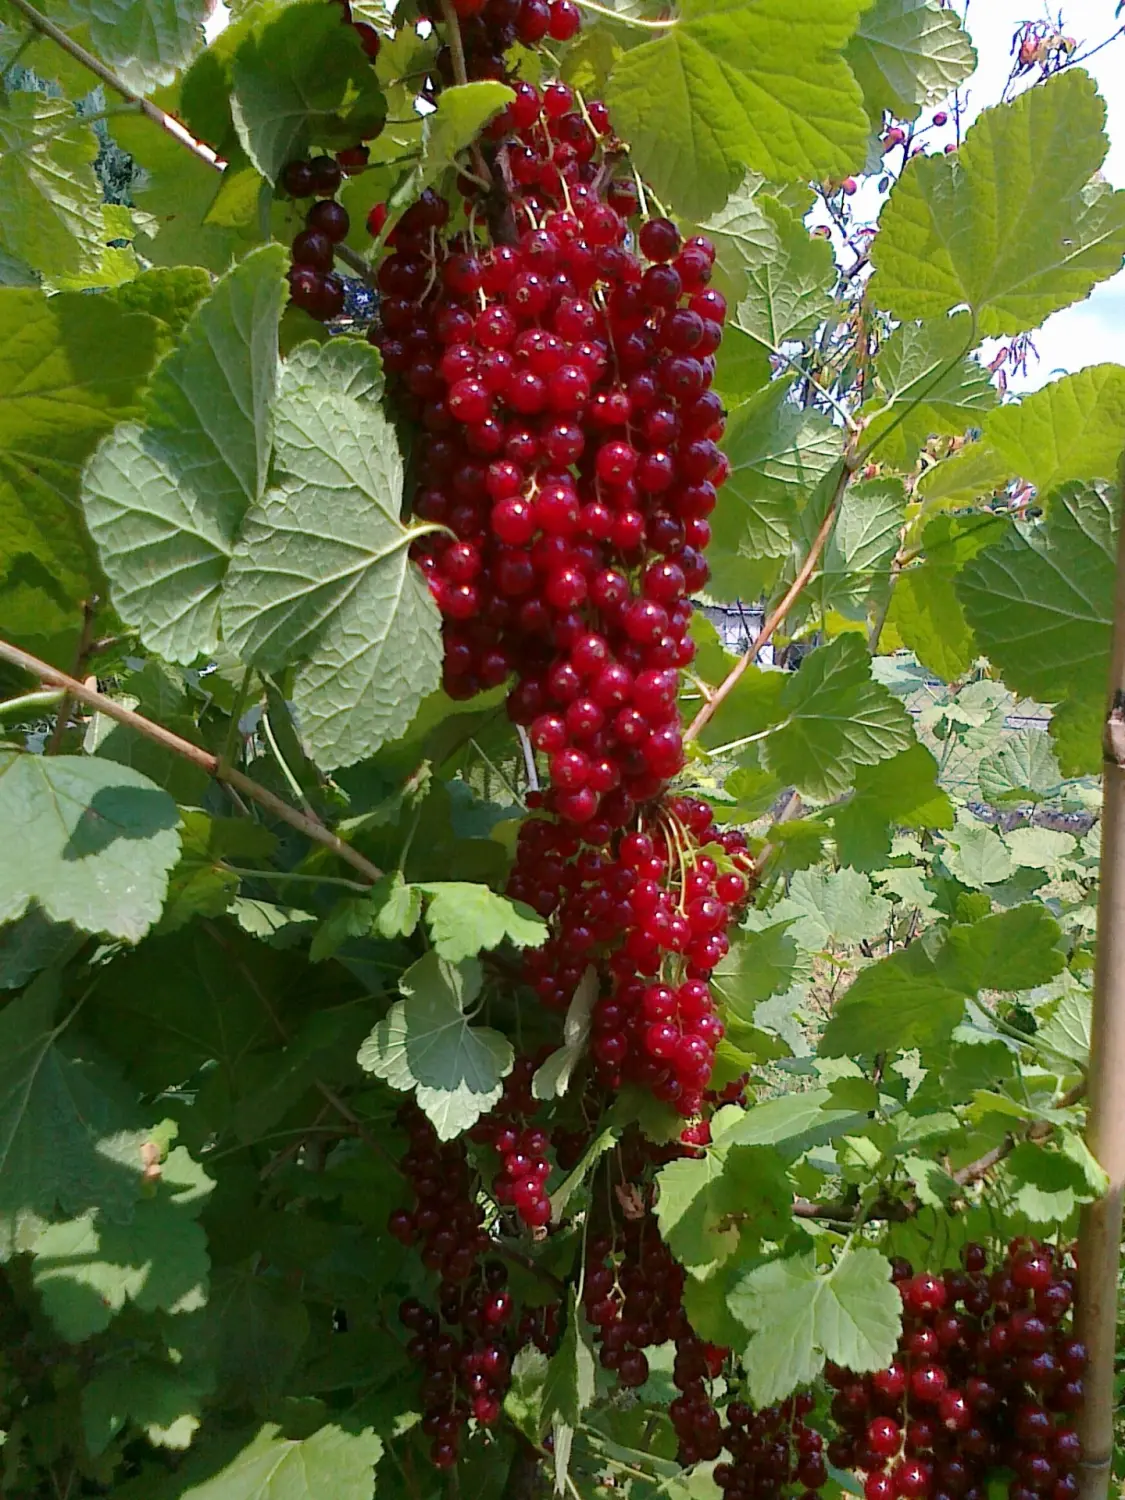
x=862 y=547
x=909 y=55
x=1040 y=848
x=170 y=294
x=778 y=453
x=252 y=1332
x=976 y=855
x=898 y=793
x=926 y=367
x=792 y=1124
x=917 y=995
x=425 y=1043
x=925 y=610
x=760 y=963
x=836 y=718
x=1067 y=1033
x=464 y=918
x=787 y=292
x=552 y=1077
x=86 y=1269
x=703 y=1200
x=569 y=1385
x=831 y=908
x=201 y=885
x=298 y=77
x=974 y=473
x=799 y=1317
x=50 y=200
x=165 y=500
x=744 y=237
x=145 y=42
x=66 y=1137
x=1073 y=428
x=1052 y=584
x=30 y=944
x=1010 y=225
x=523 y=1403
x=901 y=1001
x=741 y=84
x=1044 y=1185
x=1023 y=769
x=321 y=574
x=166 y=1405
x=332 y=1461
x=89 y=841
x=70 y=367
x=461 y=114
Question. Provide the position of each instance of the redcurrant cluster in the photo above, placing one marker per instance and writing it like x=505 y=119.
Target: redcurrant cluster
x=571 y=450
x=651 y=917
x=770 y=1451
x=490 y=27
x=466 y=1346
x=988 y=1375
x=521 y=1182
x=633 y=1298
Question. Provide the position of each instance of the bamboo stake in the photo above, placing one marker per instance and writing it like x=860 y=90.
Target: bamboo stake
x=1099 y=1240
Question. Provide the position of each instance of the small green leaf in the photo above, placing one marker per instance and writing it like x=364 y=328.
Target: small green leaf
x=857 y=560
x=91 y=842
x=462 y=113
x=741 y=83
x=1052 y=583
x=909 y=55
x=837 y=718
x=976 y=855
x=925 y=610
x=1072 y=429
x=425 y=1043
x=523 y=1403
x=760 y=963
x=164 y=1403
x=298 y=77
x=1011 y=225
x=1023 y=769
x=464 y=918
x=787 y=292
x=165 y=500
x=799 y=1317
x=703 y=1200
x=1067 y=1033
x=831 y=908
x=901 y=1001
x=791 y=1124
x=1010 y=950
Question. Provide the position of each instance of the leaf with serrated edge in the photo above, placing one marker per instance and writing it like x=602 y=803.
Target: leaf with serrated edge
x=90 y=841
x=1073 y=428
x=426 y=1044
x=165 y=500
x=788 y=291
x=465 y=918
x=799 y=1317
x=331 y=1461
x=909 y=55
x=836 y=718
x=1053 y=584
x=1008 y=225
x=145 y=42
x=321 y=575
x=50 y=200
x=762 y=86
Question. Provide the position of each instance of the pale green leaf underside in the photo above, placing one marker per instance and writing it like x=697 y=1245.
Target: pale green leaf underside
x=165 y=498
x=908 y=55
x=331 y=1461
x=145 y=42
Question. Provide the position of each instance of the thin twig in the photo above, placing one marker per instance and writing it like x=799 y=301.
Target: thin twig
x=779 y=615
x=118 y=85
x=461 y=77
x=310 y=827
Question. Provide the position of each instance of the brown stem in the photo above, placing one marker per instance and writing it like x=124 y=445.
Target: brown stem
x=81 y=659
x=310 y=827
x=1099 y=1236
x=779 y=615
x=118 y=85
x=461 y=76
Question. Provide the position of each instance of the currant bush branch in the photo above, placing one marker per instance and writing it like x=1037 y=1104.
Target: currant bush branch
x=311 y=827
